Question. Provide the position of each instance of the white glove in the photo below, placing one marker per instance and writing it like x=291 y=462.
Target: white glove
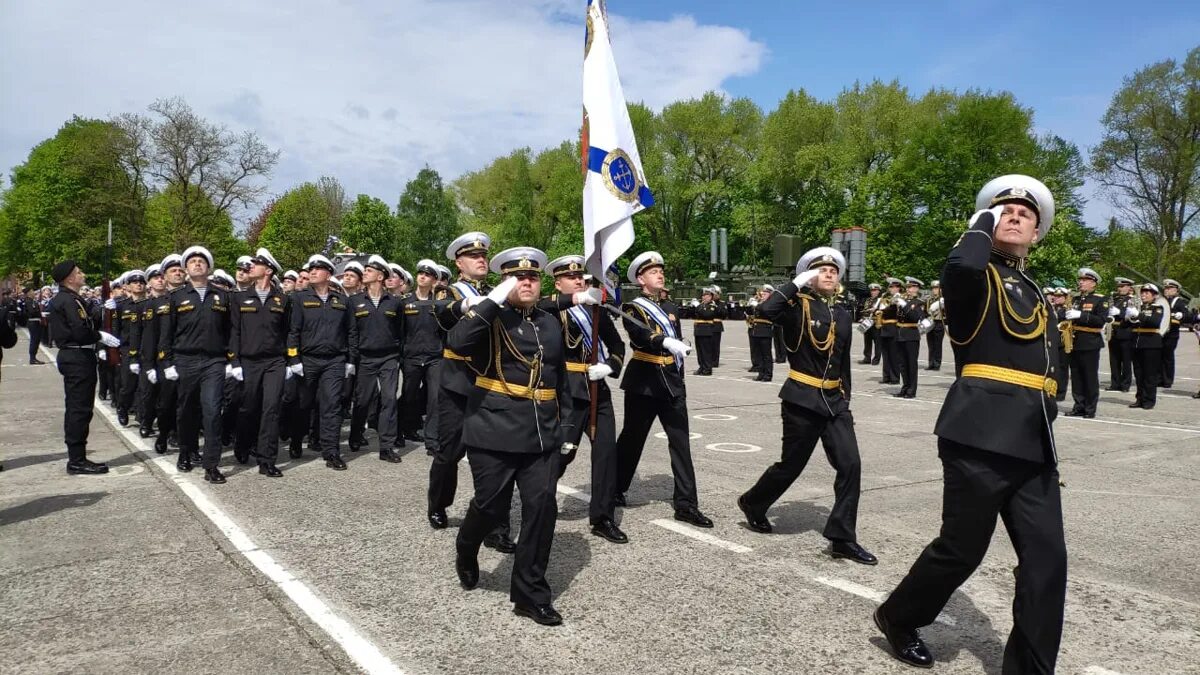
x=102 y=354
x=936 y=306
x=804 y=277
x=591 y=296
x=297 y=370
x=237 y=373
x=135 y=368
x=228 y=371
x=152 y=375
x=170 y=373
x=287 y=374
x=470 y=301
x=924 y=325
x=676 y=347
x=695 y=303
x=500 y=293
x=1073 y=314
x=995 y=211
x=754 y=302
x=598 y=371
x=1177 y=316
x=349 y=369
x=901 y=303
x=1113 y=311
x=1130 y=313
x=110 y=303
x=109 y=340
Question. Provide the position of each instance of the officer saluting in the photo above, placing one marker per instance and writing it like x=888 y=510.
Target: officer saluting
x=1087 y=317
x=654 y=388
x=78 y=339
x=258 y=354
x=995 y=436
x=577 y=331
x=511 y=427
x=816 y=400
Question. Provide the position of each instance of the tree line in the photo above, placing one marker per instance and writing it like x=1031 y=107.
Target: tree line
x=904 y=166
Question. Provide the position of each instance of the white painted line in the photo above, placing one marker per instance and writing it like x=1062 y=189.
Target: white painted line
x=870 y=594
x=700 y=536
x=572 y=492
x=1186 y=430
x=360 y=650
x=1097 y=670
x=693 y=435
x=733 y=447
x=715 y=417
x=1130 y=494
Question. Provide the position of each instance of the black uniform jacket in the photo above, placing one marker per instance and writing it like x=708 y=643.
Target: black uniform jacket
x=996 y=316
x=458 y=373
x=153 y=319
x=70 y=323
x=759 y=325
x=907 y=318
x=705 y=321
x=1122 y=329
x=260 y=329
x=1178 y=306
x=1088 y=327
x=376 y=332
x=422 y=338
x=652 y=370
x=1145 y=327
x=194 y=327
x=575 y=350
x=888 y=318
x=515 y=400
x=319 y=329
x=811 y=351
x=130 y=332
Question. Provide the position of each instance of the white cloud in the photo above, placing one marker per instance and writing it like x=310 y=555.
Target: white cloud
x=368 y=92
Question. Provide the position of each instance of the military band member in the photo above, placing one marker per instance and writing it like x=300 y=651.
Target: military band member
x=577 y=332
x=654 y=388
x=1178 y=309
x=995 y=436
x=377 y=337
x=192 y=349
x=1120 y=342
x=258 y=355
x=705 y=333
x=130 y=311
x=511 y=425
x=1058 y=305
x=910 y=312
x=1151 y=323
x=718 y=328
x=888 y=318
x=78 y=338
x=937 y=331
x=870 y=311
x=147 y=403
x=319 y=352
x=816 y=400
x=422 y=356
x=760 y=335
x=1087 y=316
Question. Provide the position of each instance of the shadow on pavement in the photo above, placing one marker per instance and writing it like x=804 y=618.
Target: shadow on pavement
x=797 y=517
x=44 y=506
x=11 y=463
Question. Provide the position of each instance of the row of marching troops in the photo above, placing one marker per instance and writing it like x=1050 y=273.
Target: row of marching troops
x=892 y=324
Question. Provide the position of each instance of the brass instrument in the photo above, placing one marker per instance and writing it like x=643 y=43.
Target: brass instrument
x=1066 y=330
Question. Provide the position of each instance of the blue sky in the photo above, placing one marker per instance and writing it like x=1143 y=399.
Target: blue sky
x=371 y=91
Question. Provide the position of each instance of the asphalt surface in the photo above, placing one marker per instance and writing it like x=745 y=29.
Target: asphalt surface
x=147 y=570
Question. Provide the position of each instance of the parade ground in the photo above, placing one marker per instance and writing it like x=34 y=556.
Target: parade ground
x=148 y=570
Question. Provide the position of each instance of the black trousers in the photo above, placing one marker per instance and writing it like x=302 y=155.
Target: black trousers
x=290 y=414
x=377 y=381
x=35 y=339
x=980 y=485
x=753 y=354
x=760 y=351
x=706 y=347
x=1085 y=380
x=129 y=385
x=716 y=353
x=321 y=395
x=1167 y=372
x=147 y=403
x=672 y=413
x=104 y=380
x=933 y=342
x=604 y=451
x=891 y=365
x=231 y=406
x=78 y=370
x=908 y=351
x=870 y=348
x=432 y=390
x=259 y=408
x=1120 y=364
x=495 y=474
x=780 y=348
x=1063 y=374
x=802 y=428
x=168 y=407
x=443 y=471
x=417 y=394
x=1147 y=367
x=201 y=385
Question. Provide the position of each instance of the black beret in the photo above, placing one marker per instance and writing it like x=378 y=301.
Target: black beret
x=63 y=270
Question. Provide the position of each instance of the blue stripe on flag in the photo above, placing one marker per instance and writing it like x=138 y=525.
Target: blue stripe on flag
x=596 y=163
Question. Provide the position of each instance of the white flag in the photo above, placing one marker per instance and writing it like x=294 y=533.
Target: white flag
x=615 y=186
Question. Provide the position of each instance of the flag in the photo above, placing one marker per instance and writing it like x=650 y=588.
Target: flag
x=614 y=185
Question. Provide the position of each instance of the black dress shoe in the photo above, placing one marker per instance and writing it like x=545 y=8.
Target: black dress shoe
x=1112 y=389
x=415 y=435
x=900 y=394
x=335 y=463
x=356 y=444
x=194 y=457
x=438 y=520
x=906 y=645
x=543 y=614
x=499 y=542
x=752 y=370
x=389 y=456
x=765 y=379
x=875 y=362
x=852 y=551
x=173 y=440
x=864 y=361
x=756 y=521
x=160 y=445
x=619 y=500
x=1148 y=407
x=123 y=418
x=1073 y=413
x=269 y=470
x=242 y=456
x=607 y=529
x=184 y=464
x=1196 y=395
x=1135 y=404
x=146 y=433
x=910 y=395
x=36 y=362
x=103 y=396
x=692 y=515
x=466 y=565
x=86 y=467
x=214 y=475
x=1089 y=416
x=295 y=450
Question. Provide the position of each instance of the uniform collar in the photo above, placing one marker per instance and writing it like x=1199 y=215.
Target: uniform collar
x=1009 y=259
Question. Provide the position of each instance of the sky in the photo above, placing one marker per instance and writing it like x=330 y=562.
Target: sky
x=371 y=91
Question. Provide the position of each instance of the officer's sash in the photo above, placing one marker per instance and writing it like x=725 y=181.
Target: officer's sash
x=583 y=319
x=660 y=317
x=466 y=289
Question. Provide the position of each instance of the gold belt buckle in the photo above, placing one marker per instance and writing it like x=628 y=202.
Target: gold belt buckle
x=1050 y=386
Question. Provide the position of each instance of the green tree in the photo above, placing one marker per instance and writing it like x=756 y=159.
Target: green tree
x=298 y=225
x=427 y=218
x=165 y=229
x=370 y=227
